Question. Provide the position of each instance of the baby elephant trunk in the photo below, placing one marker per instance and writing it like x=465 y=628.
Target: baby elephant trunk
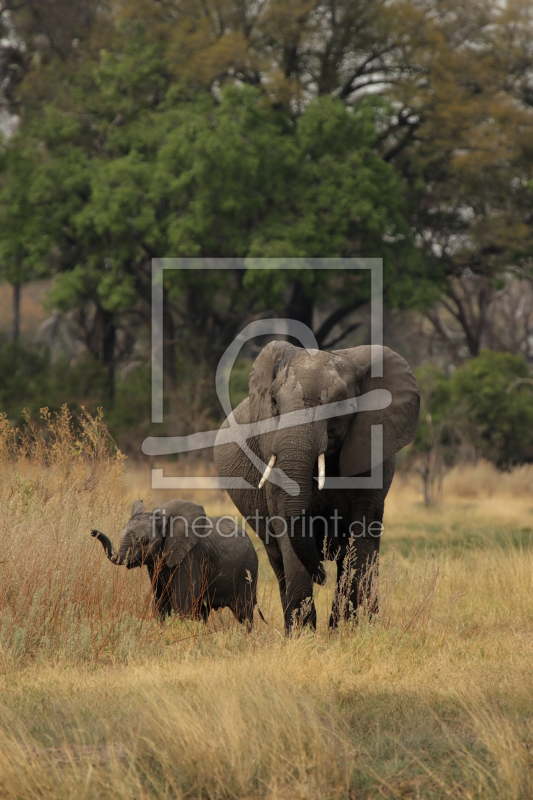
x=108 y=547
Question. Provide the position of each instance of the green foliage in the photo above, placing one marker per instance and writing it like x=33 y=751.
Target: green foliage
x=141 y=167
x=194 y=130
x=131 y=409
x=486 y=406
x=436 y=410
x=24 y=375
x=31 y=379
x=238 y=385
x=495 y=392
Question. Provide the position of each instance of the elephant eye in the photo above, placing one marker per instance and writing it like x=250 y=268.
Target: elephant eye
x=336 y=429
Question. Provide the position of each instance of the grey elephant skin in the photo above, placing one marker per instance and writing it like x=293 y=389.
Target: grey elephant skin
x=286 y=379
x=196 y=563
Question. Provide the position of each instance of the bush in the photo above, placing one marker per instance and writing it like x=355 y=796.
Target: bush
x=494 y=392
x=31 y=379
x=485 y=409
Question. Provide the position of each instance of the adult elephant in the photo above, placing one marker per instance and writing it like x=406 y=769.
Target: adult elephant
x=290 y=388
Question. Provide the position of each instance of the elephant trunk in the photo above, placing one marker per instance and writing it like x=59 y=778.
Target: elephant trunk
x=108 y=547
x=298 y=451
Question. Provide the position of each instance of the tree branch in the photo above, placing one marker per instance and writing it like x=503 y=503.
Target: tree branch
x=348 y=87
x=342 y=335
x=334 y=318
x=401 y=143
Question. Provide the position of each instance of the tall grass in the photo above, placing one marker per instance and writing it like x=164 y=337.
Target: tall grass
x=58 y=596
x=432 y=698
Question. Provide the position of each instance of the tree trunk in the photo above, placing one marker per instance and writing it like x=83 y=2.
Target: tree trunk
x=109 y=335
x=300 y=307
x=169 y=344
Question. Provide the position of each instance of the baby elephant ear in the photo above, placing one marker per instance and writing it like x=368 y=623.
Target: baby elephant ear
x=398 y=419
x=183 y=525
x=137 y=508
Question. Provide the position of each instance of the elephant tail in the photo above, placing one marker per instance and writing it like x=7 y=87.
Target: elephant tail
x=261 y=615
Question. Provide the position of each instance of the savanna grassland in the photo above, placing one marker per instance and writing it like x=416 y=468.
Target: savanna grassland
x=435 y=699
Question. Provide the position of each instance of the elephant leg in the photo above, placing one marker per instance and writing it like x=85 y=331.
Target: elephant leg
x=163 y=605
x=189 y=590
x=161 y=590
x=299 y=605
x=250 y=599
x=357 y=572
x=276 y=562
x=243 y=603
x=367 y=549
x=195 y=607
x=357 y=567
x=366 y=575
x=339 y=599
x=244 y=615
x=203 y=609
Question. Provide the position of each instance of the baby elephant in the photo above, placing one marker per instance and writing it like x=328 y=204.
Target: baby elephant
x=196 y=563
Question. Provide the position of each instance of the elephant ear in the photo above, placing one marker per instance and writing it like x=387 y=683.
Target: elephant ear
x=183 y=525
x=398 y=419
x=137 y=508
x=262 y=375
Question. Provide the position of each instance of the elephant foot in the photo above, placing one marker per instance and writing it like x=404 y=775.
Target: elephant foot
x=244 y=617
x=300 y=616
x=353 y=615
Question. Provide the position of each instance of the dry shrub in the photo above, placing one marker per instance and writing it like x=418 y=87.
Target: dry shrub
x=407 y=596
x=58 y=594
x=393 y=598
x=484 y=480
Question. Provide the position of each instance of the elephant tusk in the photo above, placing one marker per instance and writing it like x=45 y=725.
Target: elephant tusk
x=321 y=470
x=268 y=470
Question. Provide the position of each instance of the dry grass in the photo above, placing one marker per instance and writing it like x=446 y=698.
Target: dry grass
x=98 y=700
x=57 y=599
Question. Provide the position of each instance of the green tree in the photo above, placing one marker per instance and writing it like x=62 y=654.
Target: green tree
x=484 y=409
x=470 y=164
x=495 y=392
x=240 y=130
x=41 y=42
x=19 y=225
x=444 y=434
x=457 y=121
x=145 y=169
